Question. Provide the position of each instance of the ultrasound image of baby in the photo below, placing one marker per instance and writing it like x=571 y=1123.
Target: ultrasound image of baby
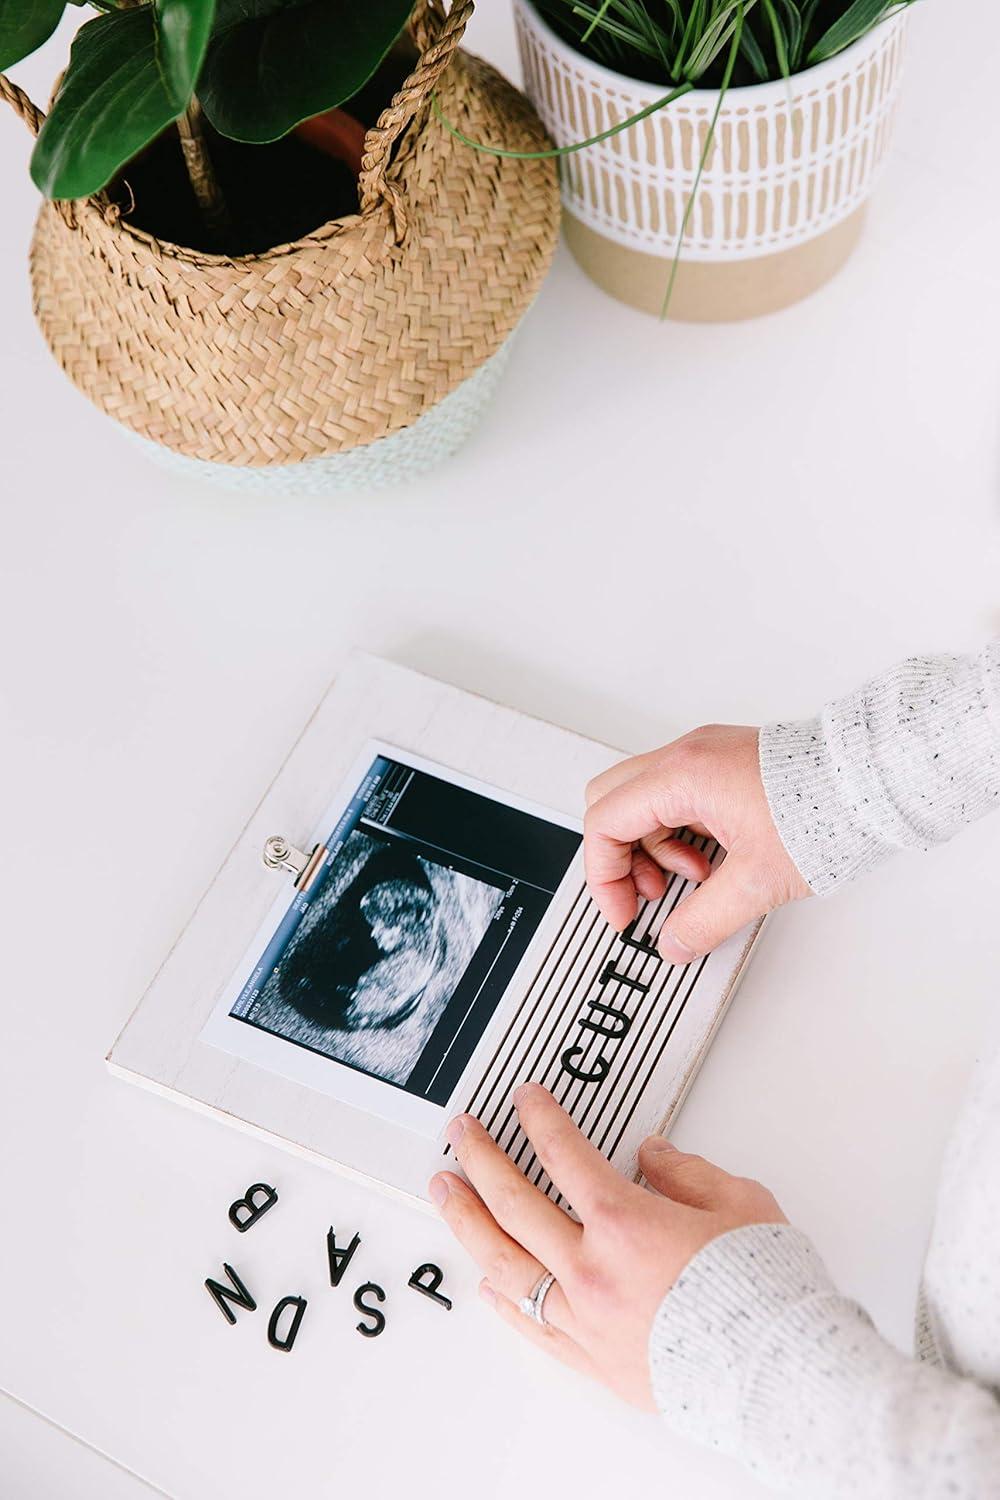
x=377 y=957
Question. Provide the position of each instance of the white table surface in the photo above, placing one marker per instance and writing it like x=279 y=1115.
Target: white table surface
x=656 y=525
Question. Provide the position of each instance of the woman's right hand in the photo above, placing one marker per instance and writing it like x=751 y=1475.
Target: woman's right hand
x=708 y=781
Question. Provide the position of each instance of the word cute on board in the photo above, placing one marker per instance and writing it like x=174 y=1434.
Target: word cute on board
x=286 y=1316
x=606 y=1005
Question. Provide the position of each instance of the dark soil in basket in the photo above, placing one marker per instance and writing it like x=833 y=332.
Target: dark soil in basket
x=274 y=193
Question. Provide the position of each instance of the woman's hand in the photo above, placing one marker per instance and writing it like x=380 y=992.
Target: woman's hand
x=614 y=1268
x=710 y=782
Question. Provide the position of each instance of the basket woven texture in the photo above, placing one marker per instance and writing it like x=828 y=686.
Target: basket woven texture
x=395 y=459
x=350 y=334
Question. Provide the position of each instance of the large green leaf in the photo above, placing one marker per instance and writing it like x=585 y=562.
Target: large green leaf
x=856 y=21
x=112 y=103
x=25 y=25
x=272 y=64
x=184 y=29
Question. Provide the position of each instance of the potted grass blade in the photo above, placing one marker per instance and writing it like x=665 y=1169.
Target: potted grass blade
x=748 y=190
x=249 y=252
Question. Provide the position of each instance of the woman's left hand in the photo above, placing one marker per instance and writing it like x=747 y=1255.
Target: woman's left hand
x=614 y=1268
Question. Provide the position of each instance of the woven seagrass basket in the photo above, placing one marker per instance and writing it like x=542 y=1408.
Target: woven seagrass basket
x=354 y=356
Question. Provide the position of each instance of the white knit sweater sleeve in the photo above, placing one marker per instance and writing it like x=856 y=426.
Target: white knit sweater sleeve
x=755 y=1352
x=902 y=763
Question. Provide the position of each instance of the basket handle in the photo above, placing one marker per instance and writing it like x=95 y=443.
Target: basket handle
x=437 y=36
x=19 y=102
x=34 y=118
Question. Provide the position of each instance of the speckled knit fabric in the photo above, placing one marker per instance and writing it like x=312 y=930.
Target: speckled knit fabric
x=754 y=1350
x=901 y=764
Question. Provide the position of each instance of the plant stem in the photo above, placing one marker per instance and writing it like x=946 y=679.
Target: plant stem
x=201 y=173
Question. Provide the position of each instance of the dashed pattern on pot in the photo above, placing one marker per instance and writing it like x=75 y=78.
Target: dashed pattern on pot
x=788 y=160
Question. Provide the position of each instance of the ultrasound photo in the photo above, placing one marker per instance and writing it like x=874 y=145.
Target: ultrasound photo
x=377 y=957
x=396 y=958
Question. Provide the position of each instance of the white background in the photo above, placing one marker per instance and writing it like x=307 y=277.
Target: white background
x=656 y=525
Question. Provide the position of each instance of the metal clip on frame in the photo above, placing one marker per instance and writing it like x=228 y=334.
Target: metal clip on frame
x=279 y=854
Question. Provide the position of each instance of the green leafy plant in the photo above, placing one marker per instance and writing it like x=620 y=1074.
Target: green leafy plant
x=688 y=44
x=254 y=69
x=687 y=41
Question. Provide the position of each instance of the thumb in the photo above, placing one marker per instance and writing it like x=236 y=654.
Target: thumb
x=721 y=905
x=686 y=1179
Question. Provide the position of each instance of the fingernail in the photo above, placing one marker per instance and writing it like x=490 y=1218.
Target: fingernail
x=656 y=1143
x=671 y=948
x=455 y=1131
x=487 y=1293
x=437 y=1188
x=524 y=1092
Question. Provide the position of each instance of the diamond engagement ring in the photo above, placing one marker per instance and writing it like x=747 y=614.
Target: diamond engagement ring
x=533 y=1305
